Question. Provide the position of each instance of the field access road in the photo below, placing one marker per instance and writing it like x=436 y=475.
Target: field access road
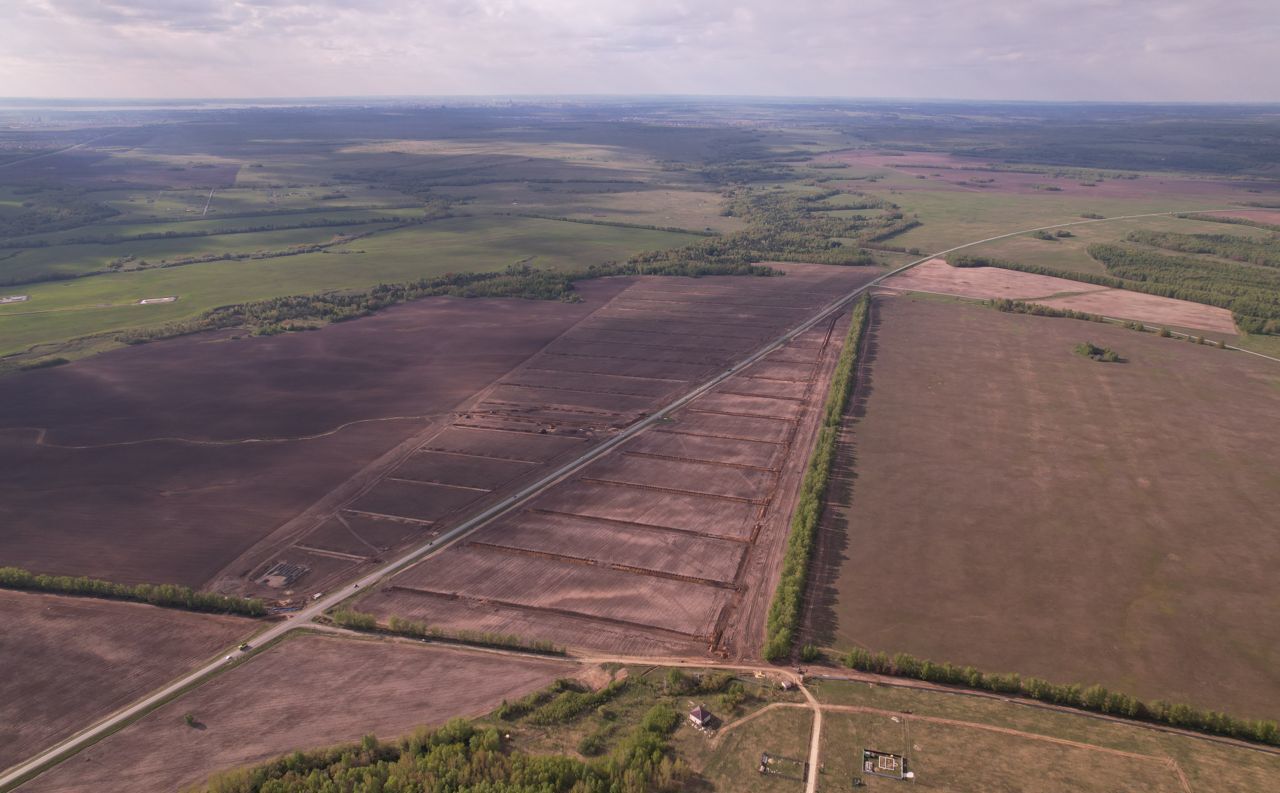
x=19 y=773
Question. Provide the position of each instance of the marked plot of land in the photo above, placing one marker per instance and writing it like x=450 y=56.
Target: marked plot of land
x=658 y=542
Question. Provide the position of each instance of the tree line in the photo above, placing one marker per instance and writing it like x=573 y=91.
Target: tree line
x=461 y=757
x=363 y=621
x=1257 y=224
x=614 y=223
x=167 y=595
x=1094 y=698
x=788 y=599
x=279 y=314
x=114 y=239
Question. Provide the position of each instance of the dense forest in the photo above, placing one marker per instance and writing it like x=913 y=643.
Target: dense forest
x=1261 y=251
x=786 y=227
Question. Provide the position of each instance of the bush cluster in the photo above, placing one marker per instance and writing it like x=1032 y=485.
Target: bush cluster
x=363 y=621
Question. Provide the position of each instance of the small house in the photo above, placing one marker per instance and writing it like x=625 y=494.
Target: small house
x=701 y=717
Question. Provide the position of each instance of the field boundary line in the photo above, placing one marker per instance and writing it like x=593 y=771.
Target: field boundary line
x=649 y=526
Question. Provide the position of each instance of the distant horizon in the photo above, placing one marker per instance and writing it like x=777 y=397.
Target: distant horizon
x=602 y=97
x=1146 y=51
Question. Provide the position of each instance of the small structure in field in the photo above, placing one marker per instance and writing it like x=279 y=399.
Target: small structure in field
x=701 y=718
x=282 y=574
x=14 y=299
x=147 y=301
x=786 y=767
x=886 y=764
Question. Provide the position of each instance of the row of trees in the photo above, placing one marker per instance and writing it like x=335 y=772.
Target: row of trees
x=1236 y=221
x=463 y=758
x=167 y=595
x=785 y=610
x=1250 y=250
x=521 y=281
x=113 y=239
x=615 y=223
x=363 y=621
x=1094 y=698
x=1036 y=309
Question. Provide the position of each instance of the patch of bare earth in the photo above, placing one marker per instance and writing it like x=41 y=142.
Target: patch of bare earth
x=989 y=283
x=308 y=692
x=67 y=662
x=669 y=544
x=1004 y=502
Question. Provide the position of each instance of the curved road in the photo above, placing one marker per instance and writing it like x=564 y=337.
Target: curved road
x=19 y=773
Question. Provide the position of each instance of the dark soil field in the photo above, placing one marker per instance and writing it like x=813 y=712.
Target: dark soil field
x=167 y=461
x=310 y=691
x=1007 y=503
x=653 y=547
x=70 y=661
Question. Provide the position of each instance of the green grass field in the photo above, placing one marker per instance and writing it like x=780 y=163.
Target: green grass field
x=999 y=745
x=62 y=310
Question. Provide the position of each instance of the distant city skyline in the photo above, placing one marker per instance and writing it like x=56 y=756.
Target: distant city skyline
x=1033 y=50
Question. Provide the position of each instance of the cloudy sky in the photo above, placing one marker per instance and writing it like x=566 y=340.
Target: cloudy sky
x=1226 y=50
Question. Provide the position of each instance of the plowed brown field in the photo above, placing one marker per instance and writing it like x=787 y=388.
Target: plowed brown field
x=669 y=543
x=167 y=461
x=310 y=691
x=70 y=661
x=1007 y=503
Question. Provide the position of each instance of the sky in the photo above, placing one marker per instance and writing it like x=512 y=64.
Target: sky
x=1114 y=50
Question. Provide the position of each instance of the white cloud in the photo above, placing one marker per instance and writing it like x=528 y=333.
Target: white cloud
x=1035 y=49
